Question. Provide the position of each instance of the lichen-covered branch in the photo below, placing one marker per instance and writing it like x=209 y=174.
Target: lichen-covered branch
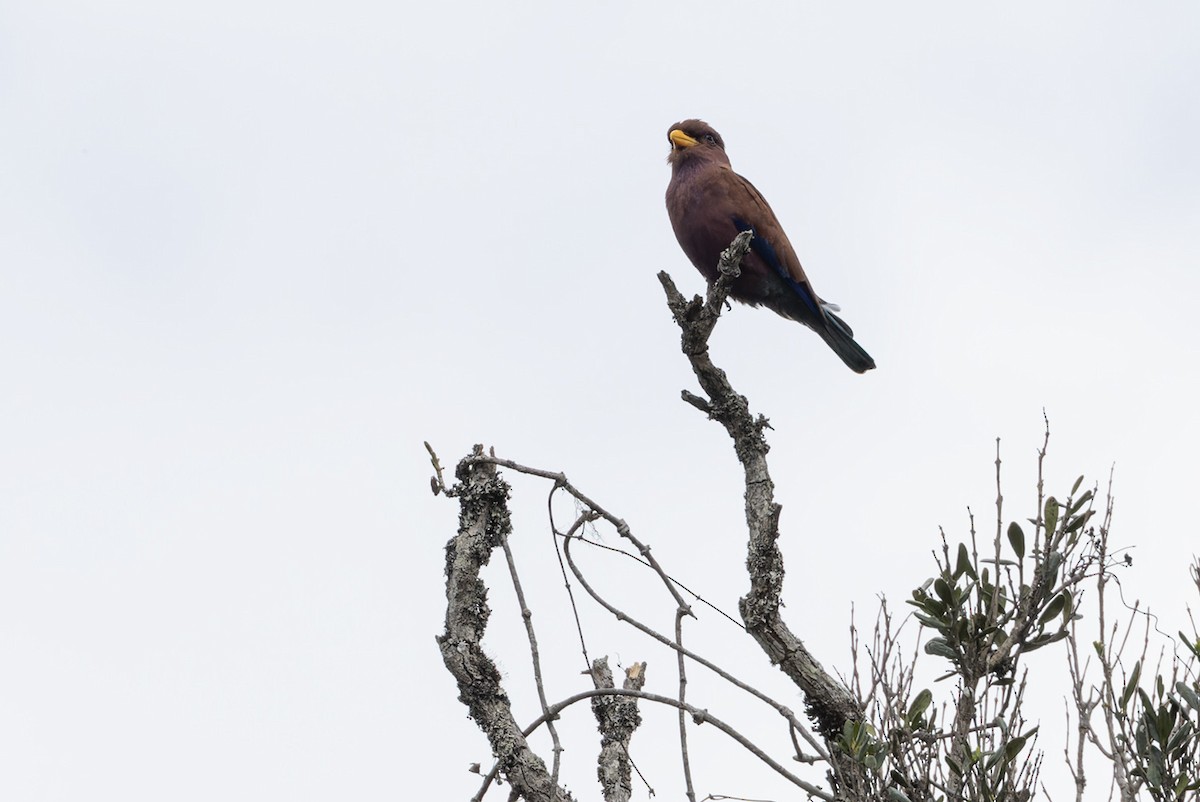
x=483 y=524
x=617 y=718
x=828 y=702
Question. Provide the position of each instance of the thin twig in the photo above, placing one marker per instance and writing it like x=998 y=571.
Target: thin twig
x=436 y=483
x=555 y=534
x=674 y=579
x=780 y=708
x=535 y=658
x=680 y=612
x=561 y=481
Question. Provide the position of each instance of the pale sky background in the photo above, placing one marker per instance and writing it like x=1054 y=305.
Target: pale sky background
x=252 y=254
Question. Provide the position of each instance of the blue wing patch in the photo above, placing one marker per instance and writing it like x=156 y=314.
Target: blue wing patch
x=766 y=252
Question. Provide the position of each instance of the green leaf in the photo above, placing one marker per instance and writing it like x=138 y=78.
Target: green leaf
x=986 y=590
x=1179 y=736
x=1079 y=502
x=1016 y=539
x=1188 y=695
x=939 y=648
x=1045 y=640
x=1165 y=723
x=1013 y=748
x=934 y=607
x=896 y=795
x=932 y=623
x=963 y=565
x=1051 y=515
x=1147 y=705
x=1075 y=486
x=851 y=734
x=918 y=706
x=1053 y=609
x=944 y=592
x=1080 y=521
x=1193 y=646
x=1131 y=686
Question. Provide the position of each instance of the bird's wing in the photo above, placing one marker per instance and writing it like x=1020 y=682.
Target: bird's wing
x=754 y=214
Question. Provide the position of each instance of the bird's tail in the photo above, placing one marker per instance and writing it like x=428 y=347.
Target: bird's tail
x=840 y=337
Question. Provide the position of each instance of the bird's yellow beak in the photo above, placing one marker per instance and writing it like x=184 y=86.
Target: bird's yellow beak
x=681 y=140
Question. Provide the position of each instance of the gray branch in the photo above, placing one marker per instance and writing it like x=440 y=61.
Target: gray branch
x=483 y=525
x=618 y=718
x=828 y=702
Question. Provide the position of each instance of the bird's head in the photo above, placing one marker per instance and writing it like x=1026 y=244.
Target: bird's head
x=695 y=140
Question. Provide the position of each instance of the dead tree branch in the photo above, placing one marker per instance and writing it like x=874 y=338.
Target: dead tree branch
x=829 y=702
x=618 y=718
x=483 y=525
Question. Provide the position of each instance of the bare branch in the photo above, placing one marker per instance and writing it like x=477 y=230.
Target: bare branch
x=534 y=657
x=483 y=525
x=682 y=669
x=618 y=718
x=828 y=701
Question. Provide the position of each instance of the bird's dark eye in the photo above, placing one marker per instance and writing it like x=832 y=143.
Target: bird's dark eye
x=710 y=139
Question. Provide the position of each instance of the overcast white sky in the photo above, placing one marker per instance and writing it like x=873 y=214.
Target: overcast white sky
x=252 y=254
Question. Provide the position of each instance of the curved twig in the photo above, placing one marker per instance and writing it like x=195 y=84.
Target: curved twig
x=561 y=481
x=698 y=715
x=783 y=710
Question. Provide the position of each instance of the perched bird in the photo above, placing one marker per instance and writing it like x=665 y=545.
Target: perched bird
x=709 y=204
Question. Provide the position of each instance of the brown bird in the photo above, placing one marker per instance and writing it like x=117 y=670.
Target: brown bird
x=709 y=204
